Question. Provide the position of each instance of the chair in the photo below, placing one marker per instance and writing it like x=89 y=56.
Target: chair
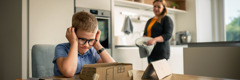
x=42 y=56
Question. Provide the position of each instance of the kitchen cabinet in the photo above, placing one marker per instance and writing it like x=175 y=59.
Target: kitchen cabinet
x=213 y=60
x=94 y=4
x=176 y=58
x=148 y=6
x=131 y=55
x=175 y=4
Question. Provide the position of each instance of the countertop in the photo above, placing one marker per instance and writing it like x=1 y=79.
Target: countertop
x=215 y=44
x=135 y=47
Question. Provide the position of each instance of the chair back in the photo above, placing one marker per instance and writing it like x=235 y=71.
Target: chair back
x=42 y=56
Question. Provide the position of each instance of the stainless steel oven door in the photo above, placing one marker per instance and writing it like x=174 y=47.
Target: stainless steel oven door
x=104 y=27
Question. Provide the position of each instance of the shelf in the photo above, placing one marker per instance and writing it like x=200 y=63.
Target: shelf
x=143 y=6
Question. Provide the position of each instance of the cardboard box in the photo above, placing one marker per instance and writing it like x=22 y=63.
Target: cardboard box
x=106 y=71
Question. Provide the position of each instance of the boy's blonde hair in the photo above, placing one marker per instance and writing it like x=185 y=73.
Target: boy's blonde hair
x=85 y=21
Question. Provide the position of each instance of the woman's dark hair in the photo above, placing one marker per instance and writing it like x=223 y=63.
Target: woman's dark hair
x=164 y=12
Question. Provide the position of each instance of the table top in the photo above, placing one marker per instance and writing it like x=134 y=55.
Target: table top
x=137 y=75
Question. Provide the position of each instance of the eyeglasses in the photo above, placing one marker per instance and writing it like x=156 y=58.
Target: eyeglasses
x=83 y=41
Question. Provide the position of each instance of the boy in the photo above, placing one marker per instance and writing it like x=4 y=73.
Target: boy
x=83 y=47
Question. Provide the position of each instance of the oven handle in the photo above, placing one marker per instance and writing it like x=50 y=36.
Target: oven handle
x=102 y=18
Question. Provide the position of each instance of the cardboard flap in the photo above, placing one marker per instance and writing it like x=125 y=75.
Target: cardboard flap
x=95 y=76
x=161 y=68
x=148 y=72
x=105 y=64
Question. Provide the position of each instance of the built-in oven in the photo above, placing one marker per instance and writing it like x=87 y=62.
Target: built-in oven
x=103 y=18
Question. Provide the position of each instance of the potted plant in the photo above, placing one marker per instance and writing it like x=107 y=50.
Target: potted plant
x=174 y=5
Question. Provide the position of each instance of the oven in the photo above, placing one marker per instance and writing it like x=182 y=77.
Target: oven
x=103 y=18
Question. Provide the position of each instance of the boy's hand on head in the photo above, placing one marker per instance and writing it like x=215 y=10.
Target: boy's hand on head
x=71 y=36
x=98 y=35
x=97 y=45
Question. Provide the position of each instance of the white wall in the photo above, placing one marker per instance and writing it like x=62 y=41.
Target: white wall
x=197 y=20
x=187 y=21
x=218 y=20
x=204 y=21
x=24 y=39
x=48 y=21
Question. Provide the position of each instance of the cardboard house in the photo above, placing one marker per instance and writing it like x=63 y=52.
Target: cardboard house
x=106 y=71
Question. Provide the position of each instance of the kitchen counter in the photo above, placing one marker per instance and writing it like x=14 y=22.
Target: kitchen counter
x=134 y=46
x=130 y=54
x=215 y=44
x=179 y=46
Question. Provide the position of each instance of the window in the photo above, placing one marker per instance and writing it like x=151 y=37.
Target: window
x=232 y=19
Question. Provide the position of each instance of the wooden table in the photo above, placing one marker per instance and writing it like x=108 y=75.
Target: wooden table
x=137 y=74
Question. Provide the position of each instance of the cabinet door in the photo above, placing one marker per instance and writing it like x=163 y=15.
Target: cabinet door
x=94 y=4
x=176 y=59
x=130 y=55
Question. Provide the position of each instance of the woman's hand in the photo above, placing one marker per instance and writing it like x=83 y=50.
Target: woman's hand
x=151 y=42
x=71 y=36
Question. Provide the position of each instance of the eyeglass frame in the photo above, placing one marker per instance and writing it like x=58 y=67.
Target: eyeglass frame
x=87 y=40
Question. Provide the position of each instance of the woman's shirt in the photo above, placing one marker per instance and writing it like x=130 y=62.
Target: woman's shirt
x=149 y=28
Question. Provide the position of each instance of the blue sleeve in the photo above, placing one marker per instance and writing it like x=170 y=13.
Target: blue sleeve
x=60 y=51
x=96 y=55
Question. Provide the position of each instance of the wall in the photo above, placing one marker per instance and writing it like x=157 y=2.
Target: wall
x=218 y=20
x=204 y=21
x=10 y=32
x=197 y=20
x=24 y=39
x=48 y=22
x=187 y=21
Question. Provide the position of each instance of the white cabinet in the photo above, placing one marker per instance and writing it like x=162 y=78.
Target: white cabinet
x=131 y=55
x=176 y=59
x=94 y=4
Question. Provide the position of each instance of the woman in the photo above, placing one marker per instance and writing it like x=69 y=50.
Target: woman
x=160 y=28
